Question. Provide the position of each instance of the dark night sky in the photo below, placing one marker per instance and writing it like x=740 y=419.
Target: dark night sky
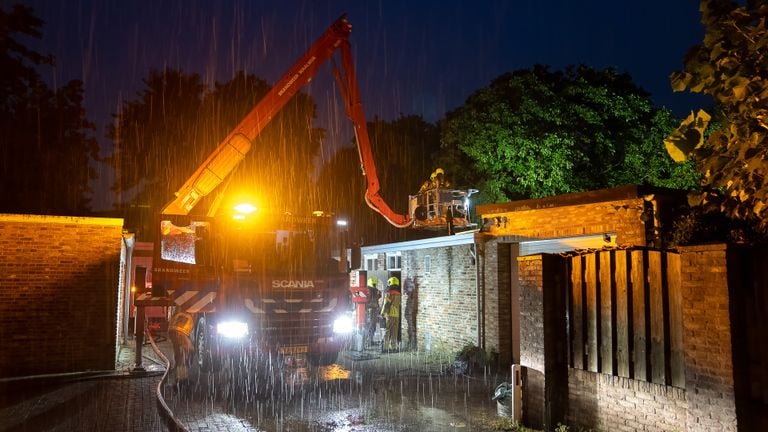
x=412 y=57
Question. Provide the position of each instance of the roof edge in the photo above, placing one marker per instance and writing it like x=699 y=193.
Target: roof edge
x=577 y=198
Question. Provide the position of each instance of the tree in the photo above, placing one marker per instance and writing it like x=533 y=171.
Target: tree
x=403 y=151
x=535 y=133
x=730 y=65
x=155 y=138
x=45 y=138
x=176 y=122
x=646 y=161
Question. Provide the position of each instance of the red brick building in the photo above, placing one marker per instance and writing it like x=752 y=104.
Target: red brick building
x=58 y=294
x=620 y=335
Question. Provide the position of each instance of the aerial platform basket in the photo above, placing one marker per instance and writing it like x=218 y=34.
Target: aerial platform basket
x=439 y=208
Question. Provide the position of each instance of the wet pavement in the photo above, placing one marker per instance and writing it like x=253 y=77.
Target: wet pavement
x=97 y=401
x=362 y=391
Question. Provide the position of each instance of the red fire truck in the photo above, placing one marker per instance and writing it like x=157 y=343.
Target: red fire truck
x=265 y=281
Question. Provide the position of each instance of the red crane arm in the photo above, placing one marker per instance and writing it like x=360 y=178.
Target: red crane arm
x=211 y=173
x=354 y=107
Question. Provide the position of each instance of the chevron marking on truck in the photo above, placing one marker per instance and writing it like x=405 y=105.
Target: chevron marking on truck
x=203 y=305
x=182 y=299
x=252 y=307
x=330 y=306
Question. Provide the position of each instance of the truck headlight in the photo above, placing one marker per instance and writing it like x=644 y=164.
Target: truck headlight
x=343 y=324
x=232 y=329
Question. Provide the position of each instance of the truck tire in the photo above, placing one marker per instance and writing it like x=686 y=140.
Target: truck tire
x=206 y=358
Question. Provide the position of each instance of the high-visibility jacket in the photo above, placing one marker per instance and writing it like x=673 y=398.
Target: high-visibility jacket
x=181 y=322
x=391 y=306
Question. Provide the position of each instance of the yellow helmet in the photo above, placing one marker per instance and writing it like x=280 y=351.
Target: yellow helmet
x=371 y=282
x=393 y=281
x=439 y=171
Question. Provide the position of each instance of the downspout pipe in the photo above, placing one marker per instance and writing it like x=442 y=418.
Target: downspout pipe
x=479 y=292
x=128 y=281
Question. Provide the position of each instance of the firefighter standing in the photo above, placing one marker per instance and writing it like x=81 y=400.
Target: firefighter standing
x=180 y=333
x=390 y=310
x=372 y=306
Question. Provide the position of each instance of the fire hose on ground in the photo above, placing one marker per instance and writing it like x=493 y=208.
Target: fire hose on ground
x=173 y=423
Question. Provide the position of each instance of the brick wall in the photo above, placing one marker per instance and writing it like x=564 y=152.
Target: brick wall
x=532 y=339
x=604 y=402
x=707 y=339
x=496 y=281
x=447 y=309
x=58 y=293
x=594 y=401
x=611 y=403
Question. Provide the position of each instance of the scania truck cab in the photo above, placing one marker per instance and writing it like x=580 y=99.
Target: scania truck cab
x=256 y=283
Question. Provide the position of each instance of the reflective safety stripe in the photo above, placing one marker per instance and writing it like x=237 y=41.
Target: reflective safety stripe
x=252 y=307
x=204 y=301
x=185 y=297
x=200 y=305
x=330 y=307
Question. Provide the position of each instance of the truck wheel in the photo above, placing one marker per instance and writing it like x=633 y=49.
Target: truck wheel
x=206 y=359
x=324 y=359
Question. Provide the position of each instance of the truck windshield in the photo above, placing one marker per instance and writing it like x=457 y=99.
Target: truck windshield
x=177 y=243
x=280 y=252
x=295 y=251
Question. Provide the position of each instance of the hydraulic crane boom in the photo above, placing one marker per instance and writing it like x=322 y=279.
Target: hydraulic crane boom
x=236 y=145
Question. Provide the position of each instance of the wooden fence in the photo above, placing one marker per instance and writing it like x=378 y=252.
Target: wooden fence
x=624 y=315
x=749 y=315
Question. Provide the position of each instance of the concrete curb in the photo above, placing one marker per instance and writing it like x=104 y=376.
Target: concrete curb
x=64 y=378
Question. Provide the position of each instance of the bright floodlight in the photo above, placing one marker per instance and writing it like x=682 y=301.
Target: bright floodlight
x=343 y=324
x=232 y=329
x=341 y=223
x=245 y=208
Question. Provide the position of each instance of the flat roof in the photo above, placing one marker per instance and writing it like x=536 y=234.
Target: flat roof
x=77 y=220
x=577 y=198
x=462 y=238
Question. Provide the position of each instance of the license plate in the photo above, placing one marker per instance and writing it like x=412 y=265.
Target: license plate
x=297 y=349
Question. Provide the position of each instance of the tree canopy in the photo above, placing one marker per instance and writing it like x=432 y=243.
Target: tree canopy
x=176 y=122
x=46 y=142
x=730 y=65
x=535 y=132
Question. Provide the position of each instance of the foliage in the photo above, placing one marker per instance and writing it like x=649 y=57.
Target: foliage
x=472 y=357
x=506 y=424
x=403 y=152
x=700 y=226
x=647 y=162
x=730 y=65
x=176 y=122
x=45 y=138
x=535 y=133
